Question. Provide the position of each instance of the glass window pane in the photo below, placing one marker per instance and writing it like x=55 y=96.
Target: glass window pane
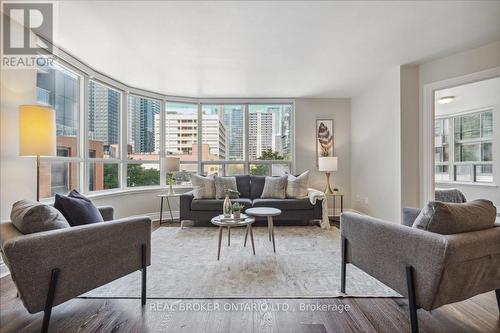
x=260 y=170
x=59 y=88
x=57 y=178
x=467 y=152
x=181 y=130
x=487 y=124
x=484 y=173
x=467 y=127
x=463 y=173
x=143 y=128
x=235 y=169
x=213 y=169
x=183 y=177
x=103 y=176
x=222 y=132
x=143 y=174
x=279 y=169
x=269 y=134
x=103 y=121
x=442 y=173
x=487 y=152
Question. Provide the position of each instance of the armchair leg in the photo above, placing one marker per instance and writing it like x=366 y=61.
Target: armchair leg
x=497 y=293
x=47 y=311
x=144 y=268
x=412 y=302
x=344 y=263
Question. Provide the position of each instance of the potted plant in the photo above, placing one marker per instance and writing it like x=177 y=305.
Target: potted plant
x=237 y=207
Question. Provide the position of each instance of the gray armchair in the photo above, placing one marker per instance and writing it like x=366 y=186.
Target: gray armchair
x=429 y=269
x=52 y=267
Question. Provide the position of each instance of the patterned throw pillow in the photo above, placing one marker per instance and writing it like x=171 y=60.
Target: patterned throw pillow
x=223 y=184
x=297 y=187
x=203 y=187
x=275 y=187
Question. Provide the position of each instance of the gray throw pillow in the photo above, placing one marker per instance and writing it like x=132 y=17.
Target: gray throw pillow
x=275 y=187
x=297 y=187
x=30 y=217
x=203 y=187
x=453 y=218
x=223 y=184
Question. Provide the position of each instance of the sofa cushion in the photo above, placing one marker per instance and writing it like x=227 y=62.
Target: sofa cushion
x=275 y=187
x=203 y=187
x=284 y=204
x=216 y=205
x=256 y=186
x=77 y=209
x=297 y=186
x=30 y=217
x=224 y=184
x=453 y=218
x=243 y=184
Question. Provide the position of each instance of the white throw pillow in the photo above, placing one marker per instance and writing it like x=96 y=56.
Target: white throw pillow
x=297 y=187
x=203 y=187
x=224 y=184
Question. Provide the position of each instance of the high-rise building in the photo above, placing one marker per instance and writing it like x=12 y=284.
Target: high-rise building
x=233 y=121
x=182 y=133
x=142 y=130
x=104 y=115
x=260 y=134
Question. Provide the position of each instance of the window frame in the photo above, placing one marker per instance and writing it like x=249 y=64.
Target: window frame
x=452 y=144
x=86 y=74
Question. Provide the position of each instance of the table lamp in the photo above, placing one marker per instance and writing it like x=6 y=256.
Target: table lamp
x=37 y=135
x=328 y=164
x=172 y=164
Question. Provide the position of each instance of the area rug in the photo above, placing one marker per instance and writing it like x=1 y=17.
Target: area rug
x=306 y=265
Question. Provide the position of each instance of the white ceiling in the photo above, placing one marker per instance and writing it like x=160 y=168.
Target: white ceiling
x=468 y=97
x=266 y=49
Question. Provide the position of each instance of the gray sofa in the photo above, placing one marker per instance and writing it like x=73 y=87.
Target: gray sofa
x=430 y=269
x=294 y=211
x=52 y=267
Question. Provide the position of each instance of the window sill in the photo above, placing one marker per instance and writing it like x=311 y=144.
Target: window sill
x=452 y=184
x=127 y=191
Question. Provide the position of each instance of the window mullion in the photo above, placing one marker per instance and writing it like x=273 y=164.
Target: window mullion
x=122 y=172
x=84 y=180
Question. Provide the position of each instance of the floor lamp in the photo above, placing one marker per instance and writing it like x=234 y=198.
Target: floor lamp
x=37 y=135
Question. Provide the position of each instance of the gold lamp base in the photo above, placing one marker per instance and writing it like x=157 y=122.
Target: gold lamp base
x=328 y=189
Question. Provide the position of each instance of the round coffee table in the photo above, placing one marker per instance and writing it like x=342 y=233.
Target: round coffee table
x=230 y=223
x=269 y=213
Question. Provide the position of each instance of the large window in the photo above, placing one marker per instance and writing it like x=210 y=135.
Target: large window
x=469 y=156
x=59 y=88
x=123 y=137
x=269 y=138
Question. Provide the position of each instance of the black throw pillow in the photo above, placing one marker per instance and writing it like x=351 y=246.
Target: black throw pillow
x=77 y=209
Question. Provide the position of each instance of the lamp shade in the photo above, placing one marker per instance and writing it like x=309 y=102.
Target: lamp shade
x=172 y=163
x=327 y=163
x=37 y=131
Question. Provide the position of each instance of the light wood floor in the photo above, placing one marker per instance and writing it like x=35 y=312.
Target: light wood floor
x=478 y=314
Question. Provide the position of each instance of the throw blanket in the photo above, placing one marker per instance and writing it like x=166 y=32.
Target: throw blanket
x=449 y=195
x=318 y=195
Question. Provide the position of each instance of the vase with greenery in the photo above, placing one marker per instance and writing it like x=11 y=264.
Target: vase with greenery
x=237 y=207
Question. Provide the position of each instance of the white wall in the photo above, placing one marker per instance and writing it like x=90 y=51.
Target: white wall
x=376 y=155
x=307 y=110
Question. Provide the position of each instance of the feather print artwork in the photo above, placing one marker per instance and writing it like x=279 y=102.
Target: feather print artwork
x=325 y=139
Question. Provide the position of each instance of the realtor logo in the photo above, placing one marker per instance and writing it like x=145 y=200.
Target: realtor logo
x=23 y=24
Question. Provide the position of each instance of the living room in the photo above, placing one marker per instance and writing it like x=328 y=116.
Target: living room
x=267 y=166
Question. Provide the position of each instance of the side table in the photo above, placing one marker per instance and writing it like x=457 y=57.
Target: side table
x=334 y=196
x=162 y=197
